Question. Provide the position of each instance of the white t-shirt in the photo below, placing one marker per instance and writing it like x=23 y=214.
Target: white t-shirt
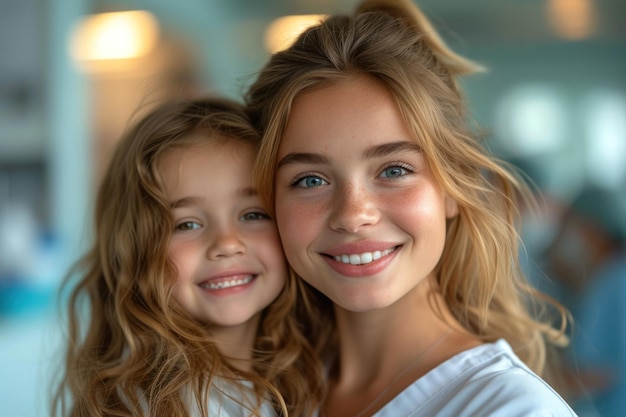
x=227 y=399
x=488 y=380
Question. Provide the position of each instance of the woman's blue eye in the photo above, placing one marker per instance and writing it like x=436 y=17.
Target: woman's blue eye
x=310 y=181
x=394 y=172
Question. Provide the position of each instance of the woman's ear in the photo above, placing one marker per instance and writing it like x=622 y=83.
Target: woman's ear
x=451 y=206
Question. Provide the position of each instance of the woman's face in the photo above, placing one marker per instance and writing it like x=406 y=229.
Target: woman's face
x=360 y=218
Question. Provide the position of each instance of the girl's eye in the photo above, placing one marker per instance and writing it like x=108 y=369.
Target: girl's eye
x=255 y=215
x=189 y=225
x=309 y=181
x=395 y=171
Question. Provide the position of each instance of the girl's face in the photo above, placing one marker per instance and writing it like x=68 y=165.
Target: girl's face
x=360 y=218
x=225 y=247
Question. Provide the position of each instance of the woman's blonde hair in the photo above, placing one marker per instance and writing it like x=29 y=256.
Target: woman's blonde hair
x=392 y=42
x=131 y=347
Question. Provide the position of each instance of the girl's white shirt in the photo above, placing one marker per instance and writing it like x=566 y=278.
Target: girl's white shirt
x=488 y=380
x=233 y=399
x=226 y=399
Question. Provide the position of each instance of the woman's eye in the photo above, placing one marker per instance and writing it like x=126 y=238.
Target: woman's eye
x=255 y=215
x=189 y=225
x=310 y=181
x=394 y=172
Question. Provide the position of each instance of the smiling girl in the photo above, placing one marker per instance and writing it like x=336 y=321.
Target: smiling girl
x=188 y=298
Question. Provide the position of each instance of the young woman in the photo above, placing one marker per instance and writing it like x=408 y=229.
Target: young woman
x=184 y=304
x=399 y=223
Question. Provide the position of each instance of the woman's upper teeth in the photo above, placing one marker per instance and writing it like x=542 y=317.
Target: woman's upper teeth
x=363 y=258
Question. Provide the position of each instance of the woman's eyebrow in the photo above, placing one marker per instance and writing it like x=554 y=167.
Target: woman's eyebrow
x=390 y=148
x=372 y=152
x=303 y=158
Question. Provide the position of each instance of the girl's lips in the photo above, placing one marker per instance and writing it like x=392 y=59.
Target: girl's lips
x=227 y=281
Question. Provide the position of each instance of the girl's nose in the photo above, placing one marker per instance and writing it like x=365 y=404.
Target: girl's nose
x=353 y=208
x=224 y=243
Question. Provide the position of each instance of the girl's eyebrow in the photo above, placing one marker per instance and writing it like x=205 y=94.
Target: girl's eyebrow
x=192 y=200
x=185 y=202
x=370 y=153
x=247 y=192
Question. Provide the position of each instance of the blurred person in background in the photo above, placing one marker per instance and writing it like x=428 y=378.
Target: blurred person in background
x=588 y=260
x=540 y=218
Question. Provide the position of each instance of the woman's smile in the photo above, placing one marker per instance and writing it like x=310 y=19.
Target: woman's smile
x=354 y=197
x=364 y=258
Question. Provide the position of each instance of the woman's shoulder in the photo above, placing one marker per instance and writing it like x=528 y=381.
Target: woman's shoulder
x=487 y=380
x=501 y=384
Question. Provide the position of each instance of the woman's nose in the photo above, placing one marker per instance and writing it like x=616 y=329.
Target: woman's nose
x=353 y=207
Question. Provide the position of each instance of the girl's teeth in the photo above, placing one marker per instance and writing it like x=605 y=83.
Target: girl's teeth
x=226 y=284
x=363 y=258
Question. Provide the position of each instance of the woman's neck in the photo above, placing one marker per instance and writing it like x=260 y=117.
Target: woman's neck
x=383 y=351
x=405 y=327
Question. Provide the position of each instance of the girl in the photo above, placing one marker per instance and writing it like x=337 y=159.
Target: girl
x=400 y=224
x=189 y=298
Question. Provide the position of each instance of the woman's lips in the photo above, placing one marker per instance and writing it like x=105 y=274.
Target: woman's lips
x=362 y=264
x=364 y=257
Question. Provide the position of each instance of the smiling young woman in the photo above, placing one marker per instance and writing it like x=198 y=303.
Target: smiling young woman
x=400 y=226
x=352 y=185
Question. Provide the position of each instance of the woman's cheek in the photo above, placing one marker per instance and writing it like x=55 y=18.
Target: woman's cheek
x=293 y=220
x=299 y=224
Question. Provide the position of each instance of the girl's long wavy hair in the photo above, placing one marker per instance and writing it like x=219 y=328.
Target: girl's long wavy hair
x=392 y=42
x=132 y=350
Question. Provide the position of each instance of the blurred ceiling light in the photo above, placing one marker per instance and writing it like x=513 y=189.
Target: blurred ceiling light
x=531 y=119
x=571 y=19
x=282 y=32
x=604 y=115
x=112 y=36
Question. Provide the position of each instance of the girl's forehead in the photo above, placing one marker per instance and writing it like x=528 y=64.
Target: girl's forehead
x=205 y=168
x=215 y=151
x=212 y=142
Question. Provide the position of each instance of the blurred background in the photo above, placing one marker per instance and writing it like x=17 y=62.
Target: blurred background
x=73 y=73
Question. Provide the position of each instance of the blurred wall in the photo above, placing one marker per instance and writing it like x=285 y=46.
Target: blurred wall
x=555 y=100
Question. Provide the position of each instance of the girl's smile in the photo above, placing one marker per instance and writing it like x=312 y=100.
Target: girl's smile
x=225 y=247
